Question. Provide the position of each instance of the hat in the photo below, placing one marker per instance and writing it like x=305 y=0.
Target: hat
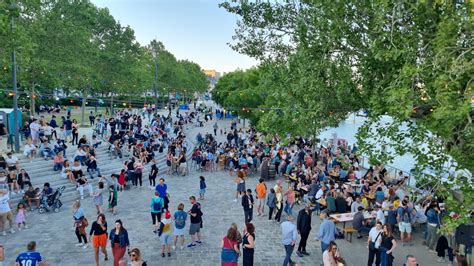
x=168 y=215
x=360 y=208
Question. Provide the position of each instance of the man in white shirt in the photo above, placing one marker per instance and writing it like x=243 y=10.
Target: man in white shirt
x=5 y=212
x=13 y=163
x=356 y=204
x=375 y=238
x=34 y=129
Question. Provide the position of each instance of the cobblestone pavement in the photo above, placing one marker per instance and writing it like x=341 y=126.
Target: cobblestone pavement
x=55 y=236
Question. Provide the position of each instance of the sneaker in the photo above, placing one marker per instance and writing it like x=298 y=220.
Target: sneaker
x=163 y=255
x=182 y=247
x=79 y=244
x=173 y=247
x=441 y=260
x=19 y=229
x=235 y=200
x=169 y=254
x=12 y=231
x=299 y=254
x=4 y=233
x=305 y=253
x=199 y=242
x=85 y=246
x=189 y=246
x=25 y=226
x=82 y=197
x=359 y=237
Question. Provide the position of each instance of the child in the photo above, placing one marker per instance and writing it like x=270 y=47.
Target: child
x=121 y=180
x=20 y=216
x=202 y=187
x=112 y=199
x=164 y=234
x=179 y=225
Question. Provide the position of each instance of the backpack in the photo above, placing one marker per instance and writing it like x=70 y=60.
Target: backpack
x=406 y=217
x=157 y=206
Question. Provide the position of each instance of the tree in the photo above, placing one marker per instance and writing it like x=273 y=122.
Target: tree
x=396 y=58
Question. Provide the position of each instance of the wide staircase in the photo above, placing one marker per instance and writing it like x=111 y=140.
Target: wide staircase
x=41 y=171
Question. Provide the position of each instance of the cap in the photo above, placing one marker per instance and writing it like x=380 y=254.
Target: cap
x=360 y=208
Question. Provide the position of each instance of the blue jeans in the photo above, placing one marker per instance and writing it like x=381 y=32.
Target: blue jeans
x=289 y=209
x=324 y=246
x=90 y=170
x=289 y=250
x=57 y=166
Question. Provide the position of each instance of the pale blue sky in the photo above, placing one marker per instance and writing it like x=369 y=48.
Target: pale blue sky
x=197 y=30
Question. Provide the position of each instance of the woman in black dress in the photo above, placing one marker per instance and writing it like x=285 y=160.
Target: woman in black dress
x=387 y=246
x=248 y=244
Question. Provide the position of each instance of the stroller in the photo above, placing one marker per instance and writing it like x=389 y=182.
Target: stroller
x=51 y=202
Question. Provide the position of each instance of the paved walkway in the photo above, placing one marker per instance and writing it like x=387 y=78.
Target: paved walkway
x=55 y=236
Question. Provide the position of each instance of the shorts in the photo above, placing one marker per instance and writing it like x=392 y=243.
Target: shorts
x=404 y=227
x=155 y=216
x=68 y=133
x=182 y=165
x=179 y=232
x=165 y=239
x=194 y=228
x=12 y=168
x=260 y=201
x=99 y=241
x=244 y=166
x=202 y=191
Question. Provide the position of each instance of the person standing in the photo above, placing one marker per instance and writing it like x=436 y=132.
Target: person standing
x=303 y=224
x=161 y=188
x=261 y=193
x=404 y=218
x=164 y=234
x=290 y=201
x=247 y=204
x=375 y=238
x=387 y=246
x=30 y=256
x=98 y=233
x=156 y=206
x=248 y=244
x=113 y=197
x=118 y=241
x=153 y=173
x=327 y=231
x=3 y=136
x=331 y=255
x=179 y=225
x=195 y=215
x=80 y=223
x=98 y=198
x=202 y=187
x=271 y=203
x=5 y=212
x=289 y=234
x=230 y=250
x=279 y=200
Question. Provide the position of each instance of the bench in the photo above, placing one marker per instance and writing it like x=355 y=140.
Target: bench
x=348 y=231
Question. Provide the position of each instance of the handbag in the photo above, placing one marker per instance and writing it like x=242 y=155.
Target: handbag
x=372 y=243
x=229 y=255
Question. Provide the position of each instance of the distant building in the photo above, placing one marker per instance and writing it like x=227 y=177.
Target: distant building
x=212 y=76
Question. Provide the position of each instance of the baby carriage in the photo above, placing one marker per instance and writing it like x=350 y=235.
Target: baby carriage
x=51 y=202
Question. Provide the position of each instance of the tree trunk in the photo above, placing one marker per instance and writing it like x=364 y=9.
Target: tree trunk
x=83 y=108
x=32 y=99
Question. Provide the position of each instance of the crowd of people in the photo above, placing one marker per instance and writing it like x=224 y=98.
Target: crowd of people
x=325 y=179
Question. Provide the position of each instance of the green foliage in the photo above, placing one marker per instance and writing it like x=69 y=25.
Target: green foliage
x=240 y=91
x=325 y=59
x=75 y=46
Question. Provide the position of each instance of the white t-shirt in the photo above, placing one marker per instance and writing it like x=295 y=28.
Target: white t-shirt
x=11 y=161
x=380 y=216
x=373 y=235
x=4 y=206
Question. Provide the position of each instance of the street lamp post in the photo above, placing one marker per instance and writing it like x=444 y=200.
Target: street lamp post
x=155 y=59
x=13 y=7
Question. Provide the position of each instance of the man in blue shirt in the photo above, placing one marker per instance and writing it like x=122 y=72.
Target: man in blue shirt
x=161 y=188
x=289 y=233
x=30 y=257
x=327 y=231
